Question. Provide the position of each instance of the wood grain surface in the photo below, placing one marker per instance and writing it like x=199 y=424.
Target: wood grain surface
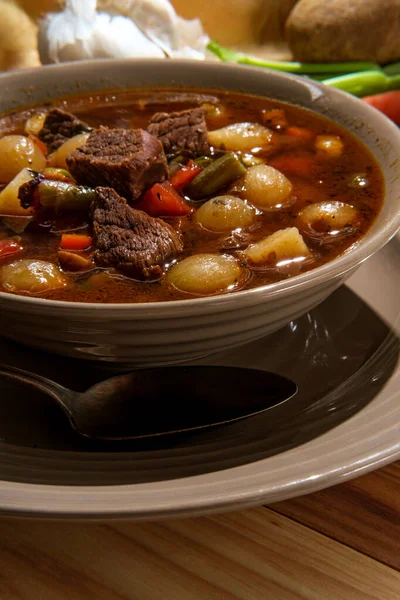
x=250 y=555
x=363 y=514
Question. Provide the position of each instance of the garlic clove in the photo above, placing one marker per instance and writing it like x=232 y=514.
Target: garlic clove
x=119 y=37
x=158 y=20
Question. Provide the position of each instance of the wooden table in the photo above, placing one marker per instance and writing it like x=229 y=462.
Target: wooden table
x=342 y=543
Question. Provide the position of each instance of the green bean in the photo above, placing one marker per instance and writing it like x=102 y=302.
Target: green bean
x=203 y=161
x=218 y=174
x=61 y=196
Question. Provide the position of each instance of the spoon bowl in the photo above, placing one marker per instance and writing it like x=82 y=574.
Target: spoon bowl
x=162 y=401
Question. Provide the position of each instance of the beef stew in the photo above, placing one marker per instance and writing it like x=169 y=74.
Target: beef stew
x=146 y=196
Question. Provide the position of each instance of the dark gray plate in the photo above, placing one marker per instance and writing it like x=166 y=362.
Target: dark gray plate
x=344 y=357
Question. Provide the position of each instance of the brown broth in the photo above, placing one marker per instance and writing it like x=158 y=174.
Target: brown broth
x=330 y=181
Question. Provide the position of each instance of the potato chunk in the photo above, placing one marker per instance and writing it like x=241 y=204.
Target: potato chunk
x=266 y=187
x=9 y=202
x=59 y=157
x=34 y=124
x=71 y=261
x=225 y=213
x=32 y=276
x=18 y=152
x=204 y=274
x=285 y=244
x=330 y=145
x=240 y=137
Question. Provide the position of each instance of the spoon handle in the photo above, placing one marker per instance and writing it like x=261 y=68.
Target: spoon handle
x=51 y=388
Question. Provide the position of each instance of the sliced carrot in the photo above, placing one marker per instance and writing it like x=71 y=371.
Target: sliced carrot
x=299 y=166
x=41 y=145
x=9 y=247
x=185 y=175
x=300 y=133
x=75 y=241
x=162 y=200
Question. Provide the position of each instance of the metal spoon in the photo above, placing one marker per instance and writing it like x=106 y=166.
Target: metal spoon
x=159 y=401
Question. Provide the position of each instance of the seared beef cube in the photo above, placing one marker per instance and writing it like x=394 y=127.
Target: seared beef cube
x=128 y=160
x=184 y=130
x=59 y=126
x=128 y=239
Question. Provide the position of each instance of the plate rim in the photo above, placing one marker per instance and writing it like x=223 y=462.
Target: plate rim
x=24 y=499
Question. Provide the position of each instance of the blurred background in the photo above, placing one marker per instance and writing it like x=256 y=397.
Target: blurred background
x=249 y=25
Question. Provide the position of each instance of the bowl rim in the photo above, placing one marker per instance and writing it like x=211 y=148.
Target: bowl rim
x=340 y=266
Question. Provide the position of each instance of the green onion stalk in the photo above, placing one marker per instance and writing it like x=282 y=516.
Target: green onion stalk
x=365 y=83
x=355 y=77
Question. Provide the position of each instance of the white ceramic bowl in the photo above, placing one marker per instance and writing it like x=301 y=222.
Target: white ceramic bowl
x=170 y=332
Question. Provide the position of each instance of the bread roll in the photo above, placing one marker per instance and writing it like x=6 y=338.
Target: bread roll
x=18 y=43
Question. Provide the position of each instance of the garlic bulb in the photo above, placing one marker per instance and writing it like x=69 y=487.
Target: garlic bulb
x=123 y=29
x=158 y=20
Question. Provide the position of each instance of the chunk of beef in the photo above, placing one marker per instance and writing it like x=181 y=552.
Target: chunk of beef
x=128 y=160
x=184 y=130
x=128 y=239
x=59 y=126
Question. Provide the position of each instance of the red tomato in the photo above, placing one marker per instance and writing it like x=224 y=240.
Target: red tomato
x=388 y=103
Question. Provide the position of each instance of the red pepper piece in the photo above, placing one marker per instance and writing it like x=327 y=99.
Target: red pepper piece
x=9 y=247
x=162 y=200
x=185 y=175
